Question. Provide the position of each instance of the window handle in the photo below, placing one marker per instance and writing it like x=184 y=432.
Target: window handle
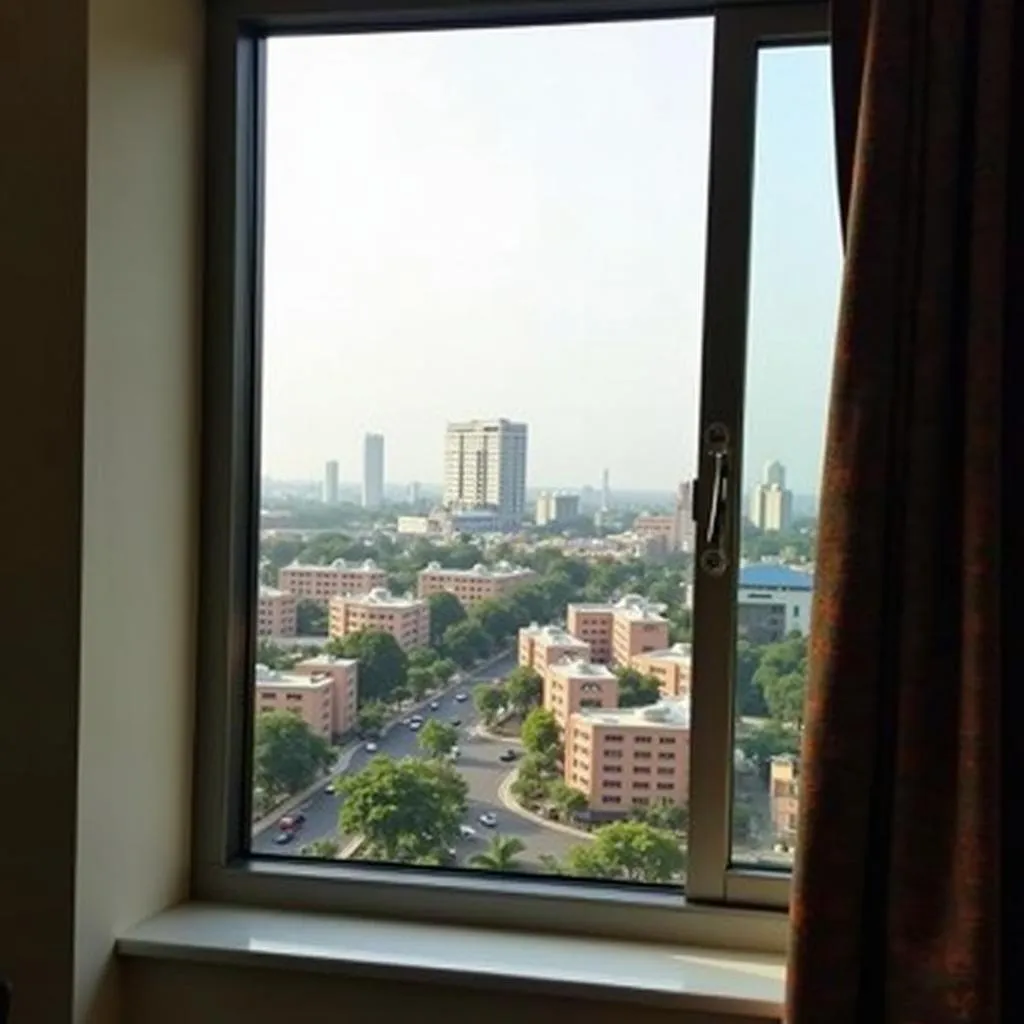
x=714 y=559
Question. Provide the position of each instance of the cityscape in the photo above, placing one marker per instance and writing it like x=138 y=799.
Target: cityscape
x=475 y=675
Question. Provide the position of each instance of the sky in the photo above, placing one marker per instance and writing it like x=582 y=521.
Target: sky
x=511 y=222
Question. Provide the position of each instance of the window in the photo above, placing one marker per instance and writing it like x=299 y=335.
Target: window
x=400 y=218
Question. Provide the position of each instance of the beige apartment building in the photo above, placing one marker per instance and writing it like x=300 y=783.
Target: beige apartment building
x=407 y=619
x=471 y=586
x=540 y=647
x=662 y=530
x=620 y=631
x=626 y=758
x=573 y=685
x=672 y=667
x=344 y=674
x=276 y=613
x=784 y=794
x=321 y=582
x=310 y=697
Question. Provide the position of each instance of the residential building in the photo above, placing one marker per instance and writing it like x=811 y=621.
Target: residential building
x=540 y=647
x=407 y=619
x=474 y=521
x=661 y=531
x=773 y=601
x=555 y=507
x=606 y=491
x=574 y=684
x=321 y=582
x=471 y=586
x=344 y=673
x=421 y=526
x=626 y=758
x=311 y=697
x=784 y=793
x=331 y=487
x=619 y=631
x=276 y=613
x=685 y=524
x=485 y=468
x=413 y=493
x=672 y=667
x=771 y=505
x=373 y=470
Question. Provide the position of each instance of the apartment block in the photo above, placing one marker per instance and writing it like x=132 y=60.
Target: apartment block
x=321 y=582
x=784 y=794
x=627 y=758
x=407 y=619
x=471 y=586
x=672 y=667
x=663 y=531
x=620 y=631
x=276 y=613
x=310 y=697
x=772 y=602
x=573 y=685
x=540 y=647
x=485 y=469
x=344 y=674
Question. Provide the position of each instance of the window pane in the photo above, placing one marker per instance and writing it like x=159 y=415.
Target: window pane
x=795 y=267
x=483 y=288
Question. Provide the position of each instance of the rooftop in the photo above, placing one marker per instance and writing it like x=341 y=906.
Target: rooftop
x=677 y=652
x=553 y=635
x=771 y=576
x=497 y=571
x=367 y=565
x=380 y=596
x=578 y=667
x=266 y=591
x=668 y=713
x=265 y=676
x=634 y=606
x=329 y=661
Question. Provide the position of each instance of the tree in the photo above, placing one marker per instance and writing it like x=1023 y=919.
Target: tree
x=523 y=688
x=784 y=696
x=326 y=848
x=437 y=738
x=761 y=744
x=465 y=642
x=567 y=801
x=443 y=670
x=749 y=698
x=310 y=618
x=540 y=733
x=664 y=814
x=496 y=620
x=420 y=681
x=637 y=690
x=531 y=781
x=500 y=855
x=489 y=701
x=445 y=610
x=629 y=851
x=371 y=718
x=382 y=663
x=407 y=810
x=288 y=755
x=275 y=656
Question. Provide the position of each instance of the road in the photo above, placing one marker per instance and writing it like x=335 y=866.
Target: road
x=478 y=764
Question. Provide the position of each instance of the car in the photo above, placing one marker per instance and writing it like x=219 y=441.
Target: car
x=456 y=722
x=509 y=755
x=284 y=837
x=408 y=721
x=416 y=720
x=460 y=696
x=292 y=822
x=416 y=726
x=330 y=789
x=371 y=747
x=489 y=820
x=455 y=753
x=467 y=831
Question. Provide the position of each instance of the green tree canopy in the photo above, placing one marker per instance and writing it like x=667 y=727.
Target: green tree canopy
x=501 y=855
x=288 y=755
x=445 y=611
x=637 y=690
x=629 y=851
x=533 y=777
x=565 y=799
x=496 y=619
x=523 y=689
x=310 y=618
x=407 y=810
x=420 y=681
x=371 y=718
x=275 y=656
x=465 y=642
x=443 y=670
x=437 y=738
x=664 y=814
x=382 y=662
x=326 y=848
x=489 y=700
x=749 y=698
x=781 y=676
x=540 y=733
x=761 y=744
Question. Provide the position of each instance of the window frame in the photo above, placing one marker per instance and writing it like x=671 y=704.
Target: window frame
x=725 y=904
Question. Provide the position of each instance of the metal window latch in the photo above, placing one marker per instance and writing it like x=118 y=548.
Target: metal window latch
x=714 y=559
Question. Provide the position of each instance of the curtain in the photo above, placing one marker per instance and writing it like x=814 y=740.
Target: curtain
x=896 y=895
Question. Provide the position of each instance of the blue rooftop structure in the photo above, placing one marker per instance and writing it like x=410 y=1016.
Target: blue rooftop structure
x=766 y=576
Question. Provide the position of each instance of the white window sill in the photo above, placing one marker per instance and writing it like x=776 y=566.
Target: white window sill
x=689 y=979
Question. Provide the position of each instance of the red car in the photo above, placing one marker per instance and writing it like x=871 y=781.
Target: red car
x=292 y=822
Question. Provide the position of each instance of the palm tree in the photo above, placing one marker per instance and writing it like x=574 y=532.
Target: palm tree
x=501 y=855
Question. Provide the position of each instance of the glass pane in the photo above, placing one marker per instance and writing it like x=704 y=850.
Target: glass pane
x=482 y=328
x=795 y=269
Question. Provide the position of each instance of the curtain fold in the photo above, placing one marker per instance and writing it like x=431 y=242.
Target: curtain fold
x=896 y=895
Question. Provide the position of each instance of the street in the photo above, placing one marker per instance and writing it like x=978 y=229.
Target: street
x=478 y=764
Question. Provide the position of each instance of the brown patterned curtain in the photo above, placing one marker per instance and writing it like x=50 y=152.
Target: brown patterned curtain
x=896 y=906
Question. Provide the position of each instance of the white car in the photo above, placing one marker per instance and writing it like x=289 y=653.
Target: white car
x=489 y=820
x=416 y=726
x=460 y=696
x=467 y=831
x=371 y=747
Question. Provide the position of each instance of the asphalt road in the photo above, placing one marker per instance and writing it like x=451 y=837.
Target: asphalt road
x=478 y=764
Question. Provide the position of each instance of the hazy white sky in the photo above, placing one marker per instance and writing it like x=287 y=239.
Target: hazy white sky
x=512 y=223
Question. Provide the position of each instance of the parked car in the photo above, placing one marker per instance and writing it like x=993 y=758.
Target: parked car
x=435 y=705
x=371 y=747
x=489 y=820
x=292 y=822
x=467 y=831
x=330 y=789
x=284 y=837
x=509 y=755
x=416 y=726
x=456 y=722
x=460 y=696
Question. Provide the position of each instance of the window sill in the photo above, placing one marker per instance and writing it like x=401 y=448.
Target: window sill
x=682 y=978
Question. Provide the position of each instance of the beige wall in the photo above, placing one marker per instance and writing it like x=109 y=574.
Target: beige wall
x=595 y=627
x=345 y=674
x=672 y=671
x=470 y=588
x=567 y=689
x=276 y=614
x=785 y=797
x=408 y=623
x=319 y=583
x=633 y=636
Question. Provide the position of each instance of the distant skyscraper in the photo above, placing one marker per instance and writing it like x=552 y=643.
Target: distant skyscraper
x=373 y=470
x=331 y=482
x=414 y=493
x=606 y=492
x=557 y=507
x=684 y=526
x=771 y=505
x=485 y=468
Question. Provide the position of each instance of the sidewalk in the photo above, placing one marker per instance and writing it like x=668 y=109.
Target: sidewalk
x=510 y=804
